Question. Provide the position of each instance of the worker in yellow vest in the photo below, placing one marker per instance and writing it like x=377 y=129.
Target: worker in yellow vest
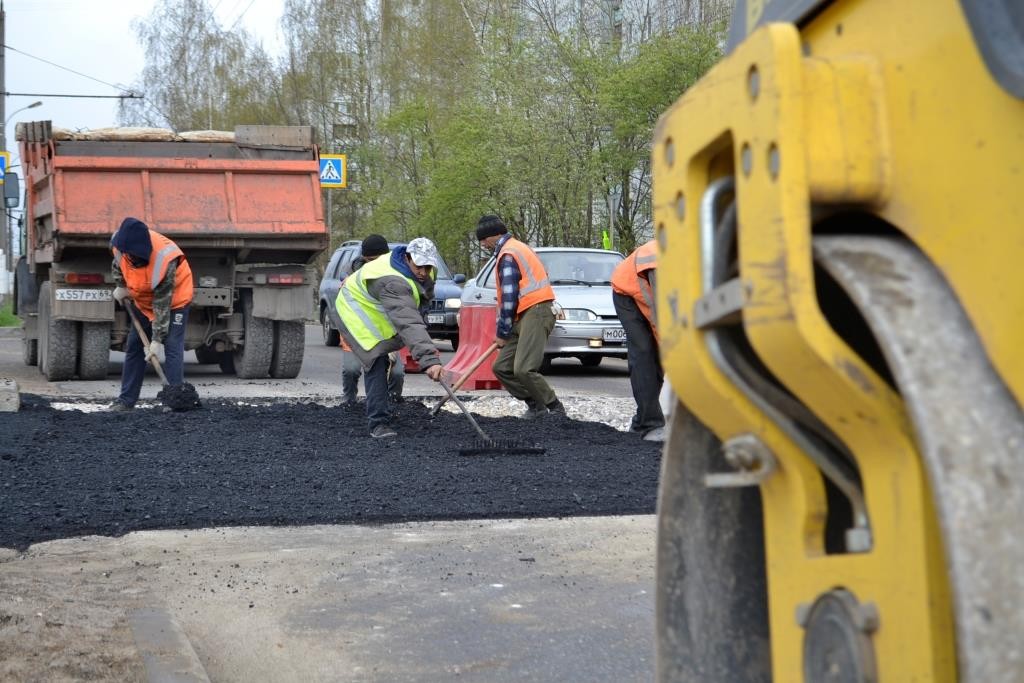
x=152 y=276
x=381 y=310
x=633 y=283
x=525 y=318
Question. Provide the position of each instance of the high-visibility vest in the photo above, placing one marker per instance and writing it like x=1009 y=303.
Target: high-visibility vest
x=361 y=313
x=533 y=278
x=627 y=279
x=141 y=282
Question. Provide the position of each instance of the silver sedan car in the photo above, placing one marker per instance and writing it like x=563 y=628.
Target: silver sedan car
x=587 y=327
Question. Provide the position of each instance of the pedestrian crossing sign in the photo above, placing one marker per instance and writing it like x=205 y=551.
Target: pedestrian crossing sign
x=333 y=170
x=5 y=161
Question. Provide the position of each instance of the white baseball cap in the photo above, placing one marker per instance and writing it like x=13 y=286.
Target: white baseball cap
x=423 y=252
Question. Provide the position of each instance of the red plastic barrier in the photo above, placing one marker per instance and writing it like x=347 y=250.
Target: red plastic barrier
x=476 y=332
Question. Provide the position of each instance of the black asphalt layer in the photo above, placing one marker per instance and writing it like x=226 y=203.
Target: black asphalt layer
x=72 y=473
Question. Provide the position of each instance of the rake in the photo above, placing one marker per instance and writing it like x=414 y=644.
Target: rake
x=486 y=445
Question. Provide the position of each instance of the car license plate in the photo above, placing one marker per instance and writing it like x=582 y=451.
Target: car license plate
x=83 y=295
x=435 y=318
x=614 y=334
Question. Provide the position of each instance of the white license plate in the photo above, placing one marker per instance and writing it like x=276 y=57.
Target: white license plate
x=435 y=318
x=83 y=295
x=614 y=334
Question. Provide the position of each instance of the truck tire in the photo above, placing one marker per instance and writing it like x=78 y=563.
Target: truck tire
x=94 y=351
x=58 y=341
x=226 y=361
x=252 y=361
x=289 y=345
x=331 y=336
x=30 y=351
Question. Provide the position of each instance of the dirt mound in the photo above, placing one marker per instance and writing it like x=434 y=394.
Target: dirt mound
x=71 y=473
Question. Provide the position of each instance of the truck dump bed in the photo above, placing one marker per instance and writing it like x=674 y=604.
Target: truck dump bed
x=253 y=191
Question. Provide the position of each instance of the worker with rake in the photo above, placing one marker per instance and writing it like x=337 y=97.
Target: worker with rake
x=380 y=310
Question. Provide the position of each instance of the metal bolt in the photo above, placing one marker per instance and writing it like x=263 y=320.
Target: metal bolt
x=681 y=206
x=746 y=159
x=670 y=152
x=753 y=82
x=773 y=160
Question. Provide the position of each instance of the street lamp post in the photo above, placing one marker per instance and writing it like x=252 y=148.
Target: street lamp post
x=3 y=133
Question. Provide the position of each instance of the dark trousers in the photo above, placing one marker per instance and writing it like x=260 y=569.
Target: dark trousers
x=645 y=375
x=135 y=356
x=378 y=410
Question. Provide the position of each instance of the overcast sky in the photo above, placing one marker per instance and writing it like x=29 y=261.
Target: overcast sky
x=94 y=38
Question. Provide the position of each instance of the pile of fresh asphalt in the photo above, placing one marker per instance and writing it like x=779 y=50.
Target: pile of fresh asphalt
x=66 y=473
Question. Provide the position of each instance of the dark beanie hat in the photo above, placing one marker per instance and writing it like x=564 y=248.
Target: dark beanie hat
x=133 y=238
x=375 y=245
x=489 y=226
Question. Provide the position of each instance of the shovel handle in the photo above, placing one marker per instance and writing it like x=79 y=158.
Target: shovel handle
x=465 y=376
x=145 y=342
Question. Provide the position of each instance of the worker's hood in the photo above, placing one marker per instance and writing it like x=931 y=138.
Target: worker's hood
x=133 y=238
x=596 y=298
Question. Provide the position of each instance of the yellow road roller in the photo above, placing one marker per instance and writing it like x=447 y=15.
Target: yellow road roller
x=840 y=204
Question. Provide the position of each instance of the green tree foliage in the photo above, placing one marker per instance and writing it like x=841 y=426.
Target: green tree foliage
x=538 y=110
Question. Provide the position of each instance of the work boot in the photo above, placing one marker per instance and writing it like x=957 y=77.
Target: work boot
x=348 y=401
x=534 y=410
x=395 y=398
x=556 y=407
x=383 y=432
x=120 y=407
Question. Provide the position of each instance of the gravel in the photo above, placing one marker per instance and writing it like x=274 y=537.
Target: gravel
x=73 y=468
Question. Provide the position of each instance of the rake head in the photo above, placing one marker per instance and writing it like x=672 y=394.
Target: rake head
x=502 y=447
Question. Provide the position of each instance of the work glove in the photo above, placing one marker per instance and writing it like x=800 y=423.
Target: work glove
x=154 y=350
x=120 y=294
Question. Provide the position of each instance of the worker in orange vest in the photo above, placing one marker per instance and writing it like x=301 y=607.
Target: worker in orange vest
x=633 y=282
x=525 y=318
x=154 y=278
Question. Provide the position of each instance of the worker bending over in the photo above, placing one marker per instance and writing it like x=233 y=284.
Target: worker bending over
x=525 y=318
x=154 y=281
x=633 y=283
x=380 y=310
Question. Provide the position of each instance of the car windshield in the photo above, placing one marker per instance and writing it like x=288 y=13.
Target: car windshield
x=579 y=267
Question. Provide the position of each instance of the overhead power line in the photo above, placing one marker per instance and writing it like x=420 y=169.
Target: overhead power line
x=77 y=73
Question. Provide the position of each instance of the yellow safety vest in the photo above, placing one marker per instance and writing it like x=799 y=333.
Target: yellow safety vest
x=362 y=314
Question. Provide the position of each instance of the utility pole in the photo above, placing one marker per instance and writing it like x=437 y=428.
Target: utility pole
x=5 y=239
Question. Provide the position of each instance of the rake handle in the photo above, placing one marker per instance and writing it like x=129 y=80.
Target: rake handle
x=465 y=376
x=462 y=407
x=145 y=342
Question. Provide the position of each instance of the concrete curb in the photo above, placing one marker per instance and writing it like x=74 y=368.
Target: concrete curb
x=9 y=332
x=166 y=651
x=10 y=399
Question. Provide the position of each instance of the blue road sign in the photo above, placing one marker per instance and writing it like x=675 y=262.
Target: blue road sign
x=333 y=170
x=5 y=161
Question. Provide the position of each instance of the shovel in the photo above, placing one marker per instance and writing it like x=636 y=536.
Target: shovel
x=179 y=398
x=486 y=445
x=465 y=376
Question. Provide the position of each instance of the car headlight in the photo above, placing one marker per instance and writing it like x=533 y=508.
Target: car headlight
x=578 y=314
x=453 y=303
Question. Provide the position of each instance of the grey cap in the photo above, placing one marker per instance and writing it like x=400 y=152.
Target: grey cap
x=423 y=252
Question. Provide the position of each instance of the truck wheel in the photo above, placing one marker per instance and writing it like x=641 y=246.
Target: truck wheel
x=226 y=361
x=58 y=341
x=289 y=344
x=455 y=343
x=252 y=361
x=712 y=601
x=331 y=336
x=207 y=355
x=30 y=351
x=94 y=354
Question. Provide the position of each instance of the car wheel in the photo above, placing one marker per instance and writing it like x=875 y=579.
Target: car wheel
x=591 y=360
x=455 y=343
x=545 y=365
x=331 y=336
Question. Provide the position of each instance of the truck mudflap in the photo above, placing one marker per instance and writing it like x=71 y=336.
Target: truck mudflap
x=283 y=303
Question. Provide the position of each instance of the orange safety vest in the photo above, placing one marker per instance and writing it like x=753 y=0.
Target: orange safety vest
x=141 y=281
x=533 y=279
x=628 y=280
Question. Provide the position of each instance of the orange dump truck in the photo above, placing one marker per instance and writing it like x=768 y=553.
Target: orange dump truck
x=245 y=207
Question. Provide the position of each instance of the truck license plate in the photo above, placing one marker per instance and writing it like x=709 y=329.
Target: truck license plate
x=614 y=334
x=83 y=295
x=435 y=318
